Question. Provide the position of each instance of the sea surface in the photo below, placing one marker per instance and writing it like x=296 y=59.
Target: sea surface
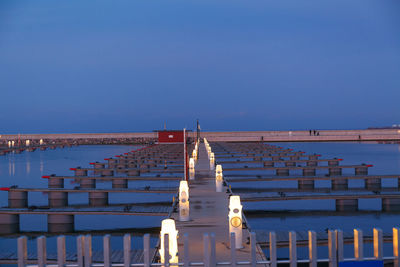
x=26 y=169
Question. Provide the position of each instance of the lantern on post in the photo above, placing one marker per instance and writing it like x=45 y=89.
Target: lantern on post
x=168 y=227
x=27 y=142
x=212 y=161
x=235 y=220
x=41 y=142
x=12 y=143
x=9 y=144
x=184 y=201
x=218 y=178
x=191 y=169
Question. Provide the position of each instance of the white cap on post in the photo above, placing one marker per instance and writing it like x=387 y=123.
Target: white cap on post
x=235 y=219
x=191 y=169
x=168 y=227
x=184 y=201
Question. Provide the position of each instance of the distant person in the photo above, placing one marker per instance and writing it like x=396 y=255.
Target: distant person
x=310 y=132
x=315 y=132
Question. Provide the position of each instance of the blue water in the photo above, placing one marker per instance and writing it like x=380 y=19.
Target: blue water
x=26 y=169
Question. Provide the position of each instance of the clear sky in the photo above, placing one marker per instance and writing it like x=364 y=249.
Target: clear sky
x=131 y=65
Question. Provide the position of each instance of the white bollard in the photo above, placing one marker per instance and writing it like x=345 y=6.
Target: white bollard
x=184 y=201
x=168 y=227
x=191 y=169
x=212 y=161
x=218 y=179
x=235 y=220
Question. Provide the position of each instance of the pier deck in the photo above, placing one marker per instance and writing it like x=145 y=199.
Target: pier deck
x=209 y=214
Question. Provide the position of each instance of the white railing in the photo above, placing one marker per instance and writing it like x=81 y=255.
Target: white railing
x=335 y=248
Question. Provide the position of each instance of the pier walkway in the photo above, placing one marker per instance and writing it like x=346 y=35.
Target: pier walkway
x=209 y=214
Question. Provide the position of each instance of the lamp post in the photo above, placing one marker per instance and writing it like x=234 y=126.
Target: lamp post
x=184 y=201
x=168 y=227
x=212 y=161
x=191 y=169
x=218 y=178
x=235 y=220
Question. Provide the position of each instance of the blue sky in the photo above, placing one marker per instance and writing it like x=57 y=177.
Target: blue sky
x=127 y=65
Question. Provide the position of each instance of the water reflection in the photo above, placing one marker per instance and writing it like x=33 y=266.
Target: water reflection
x=28 y=166
x=11 y=166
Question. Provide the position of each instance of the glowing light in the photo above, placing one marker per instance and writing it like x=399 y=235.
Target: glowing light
x=168 y=227
x=12 y=143
x=235 y=219
x=9 y=143
x=183 y=201
x=191 y=168
x=27 y=142
x=41 y=142
x=218 y=179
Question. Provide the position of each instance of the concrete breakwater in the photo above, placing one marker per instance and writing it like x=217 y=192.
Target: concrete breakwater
x=380 y=135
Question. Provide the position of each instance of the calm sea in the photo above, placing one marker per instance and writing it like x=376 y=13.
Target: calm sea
x=26 y=169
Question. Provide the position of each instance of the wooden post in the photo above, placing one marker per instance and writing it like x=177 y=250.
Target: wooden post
x=358 y=244
x=22 y=251
x=107 y=251
x=127 y=250
x=312 y=248
x=41 y=251
x=272 y=249
x=61 y=251
x=378 y=244
x=146 y=250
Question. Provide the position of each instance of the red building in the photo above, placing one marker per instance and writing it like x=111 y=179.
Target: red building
x=170 y=136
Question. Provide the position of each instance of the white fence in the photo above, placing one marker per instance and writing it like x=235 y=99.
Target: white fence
x=335 y=248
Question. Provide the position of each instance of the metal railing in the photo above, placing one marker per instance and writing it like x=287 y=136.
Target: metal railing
x=335 y=248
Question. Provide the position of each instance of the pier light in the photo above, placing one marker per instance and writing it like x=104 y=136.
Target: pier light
x=27 y=142
x=191 y=168
x=183 y=201
x=41 y=142
x=194 y=154
x=235 y=219
x=212 y=161
x=12 y=143
x=218 y=179
x=9 y=143
x=168 y=227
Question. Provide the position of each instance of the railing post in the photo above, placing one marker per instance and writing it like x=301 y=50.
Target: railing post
x=358 y=244
x=146 y=250
x=272 y=249
x=186 y=250
x=253 y=243
x=22 y=251
x=80 y=249
x=312 y=248
x=127 y=250
x=88 y=250
x=332 y=248
x=206 y=250
x=292 y=249
x=339 y=245
x=41 y=251
x=166 y=250
x=233 y=250
x=378 y=244
x=107 y=250
x=396 y=247
x=61 y=251
x=213 y=253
